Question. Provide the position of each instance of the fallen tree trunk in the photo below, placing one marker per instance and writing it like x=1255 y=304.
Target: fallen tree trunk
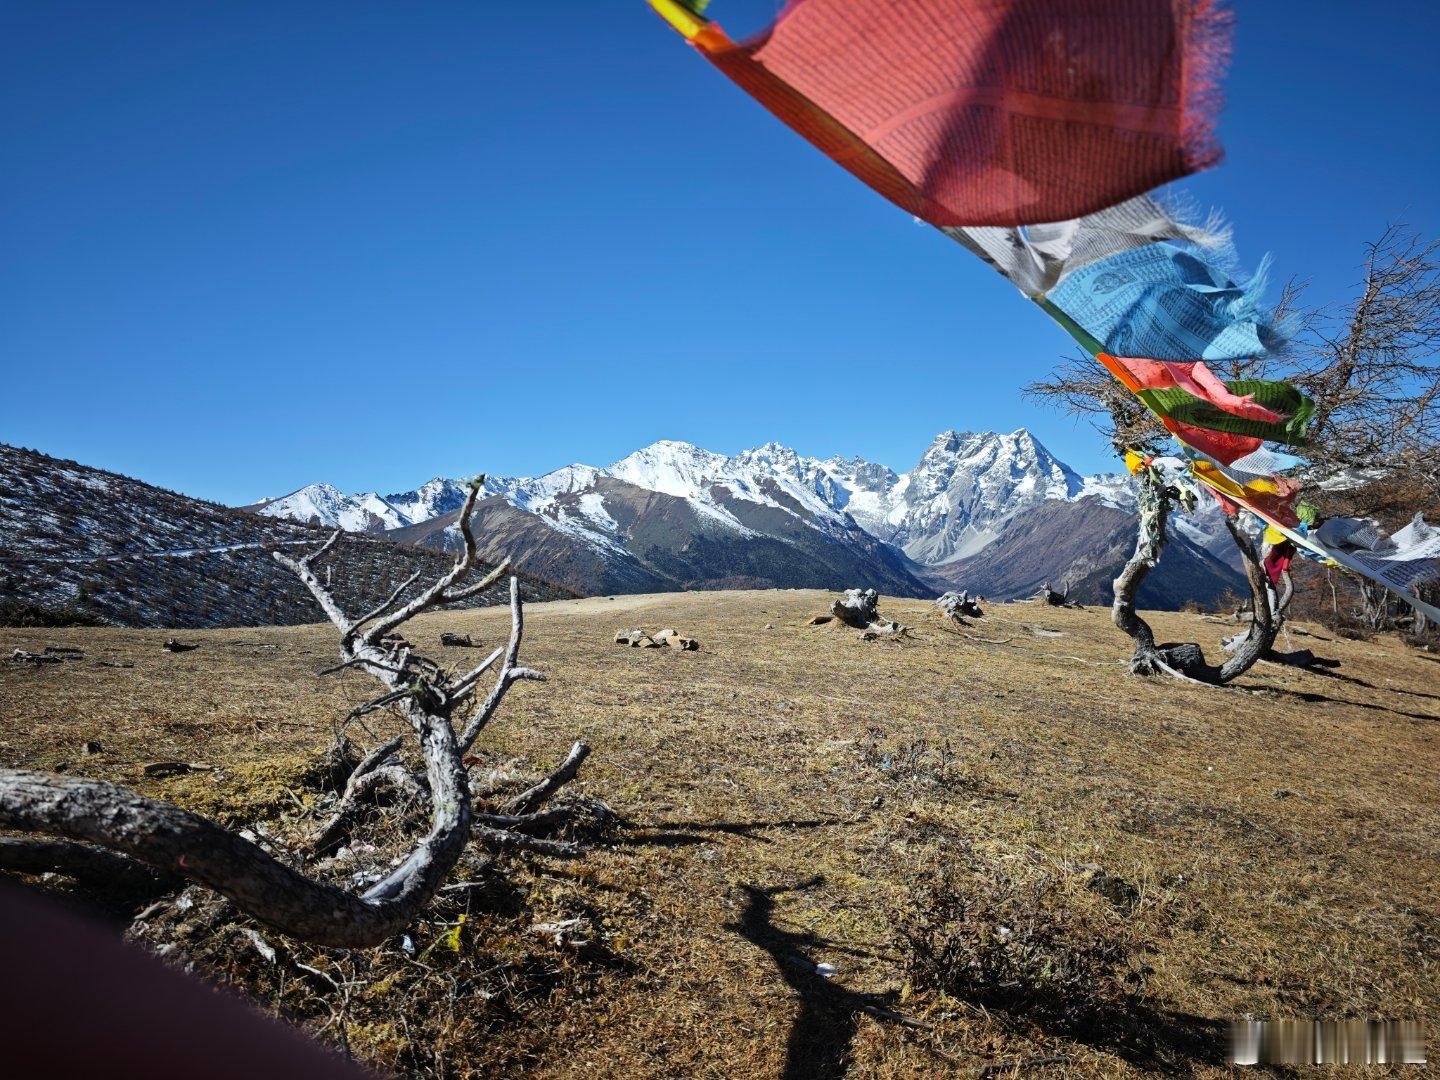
x=173 y=841
x=176 y=843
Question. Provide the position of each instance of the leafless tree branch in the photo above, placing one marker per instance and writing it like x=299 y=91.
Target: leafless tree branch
x=131 y=830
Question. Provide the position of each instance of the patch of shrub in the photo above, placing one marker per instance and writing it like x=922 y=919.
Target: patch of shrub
x=1024 y=943
x=23 y=613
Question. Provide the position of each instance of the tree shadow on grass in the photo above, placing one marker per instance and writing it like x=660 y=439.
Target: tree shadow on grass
x=1315 y=699
x=1371 y=686
x=818 y=1048
x=687 y=833
x=825 y=1026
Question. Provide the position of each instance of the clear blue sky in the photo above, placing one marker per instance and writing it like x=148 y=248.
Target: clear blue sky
x=248 y=245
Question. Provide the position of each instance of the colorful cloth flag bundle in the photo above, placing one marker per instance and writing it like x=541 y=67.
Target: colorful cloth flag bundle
x=1029 y=132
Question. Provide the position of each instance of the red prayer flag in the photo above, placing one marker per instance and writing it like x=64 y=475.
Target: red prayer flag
x=992 y=112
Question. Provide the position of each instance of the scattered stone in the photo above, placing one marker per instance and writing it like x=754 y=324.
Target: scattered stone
x=116 y=663
x=459 y=641
x=821 y=620
x=639 y=639
x=1041 y=631
x=65 y=652
x=769 y=626
x=21 y=656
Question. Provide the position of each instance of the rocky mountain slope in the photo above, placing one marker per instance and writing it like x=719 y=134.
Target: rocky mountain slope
x=81 y=544
x=617 y=537
x=1078 y=548
x=996 y=513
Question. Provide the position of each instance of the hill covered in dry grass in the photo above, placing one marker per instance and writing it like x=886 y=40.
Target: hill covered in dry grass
x=935 y=856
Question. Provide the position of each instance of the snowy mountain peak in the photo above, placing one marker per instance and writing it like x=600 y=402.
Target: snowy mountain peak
x=323 y=504
x=952 y=504
x=536 y=493
x=431 y=499
x=670 y=467
x=966 y=484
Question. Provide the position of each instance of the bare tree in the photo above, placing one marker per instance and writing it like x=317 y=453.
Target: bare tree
x=1373 y=367
x=1083 y=386
x=133 y=834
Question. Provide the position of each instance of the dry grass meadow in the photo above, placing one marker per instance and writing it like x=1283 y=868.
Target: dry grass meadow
x=1010 y=851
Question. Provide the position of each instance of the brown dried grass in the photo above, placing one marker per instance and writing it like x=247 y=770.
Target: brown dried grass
x=1274 y=845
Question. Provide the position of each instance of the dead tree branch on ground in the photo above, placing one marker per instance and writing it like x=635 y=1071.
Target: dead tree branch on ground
x=171 y=842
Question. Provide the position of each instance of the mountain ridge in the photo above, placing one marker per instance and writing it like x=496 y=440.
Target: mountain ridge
x=769 y=515
x=80 y=544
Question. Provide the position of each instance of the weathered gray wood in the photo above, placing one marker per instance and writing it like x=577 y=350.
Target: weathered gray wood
x=533 y=798
x=858 y=608
x=957 y=606
x=172 y=841
x=1155 y=503
x=83 y=862
x=1264 y=625
x=176 y=842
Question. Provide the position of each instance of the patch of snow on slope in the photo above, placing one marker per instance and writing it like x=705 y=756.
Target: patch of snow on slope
x=1113 y=489
x=327 y=506
x=537 y=493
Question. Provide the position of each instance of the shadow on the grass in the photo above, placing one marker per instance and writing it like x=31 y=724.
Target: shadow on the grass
x=1315 y=699
x=686 y=833
x=825 y=1026
x=818 y=1047
x=1328 y=674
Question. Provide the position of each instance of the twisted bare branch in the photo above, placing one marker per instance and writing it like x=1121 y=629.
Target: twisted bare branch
x=134 y=832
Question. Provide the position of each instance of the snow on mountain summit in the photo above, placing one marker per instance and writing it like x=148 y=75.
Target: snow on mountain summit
x=430 y=500
x=322 y=504
x=950 y=505
x=965 y=485
x=670 y=467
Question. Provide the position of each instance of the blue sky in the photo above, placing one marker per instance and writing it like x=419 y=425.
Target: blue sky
x=244 y=246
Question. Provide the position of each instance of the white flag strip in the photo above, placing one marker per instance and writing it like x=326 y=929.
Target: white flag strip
x=1405 y=560
x=1036 y=258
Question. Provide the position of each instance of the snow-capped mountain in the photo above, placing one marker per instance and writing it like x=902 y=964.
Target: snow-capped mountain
x=321 y=504
x=429 y=500
x=966 y=484
x=672 y=514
